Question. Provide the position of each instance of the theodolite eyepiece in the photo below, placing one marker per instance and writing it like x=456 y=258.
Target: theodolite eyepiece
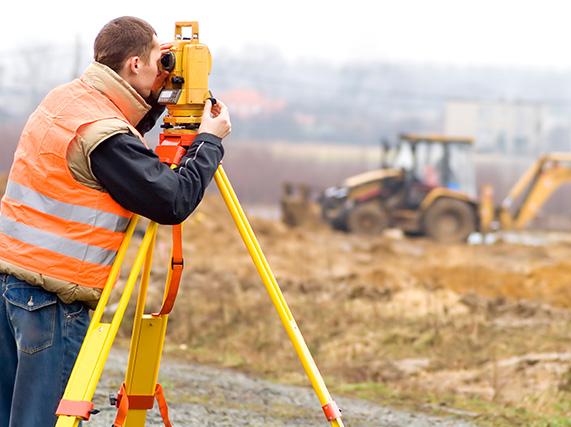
x=168 y=61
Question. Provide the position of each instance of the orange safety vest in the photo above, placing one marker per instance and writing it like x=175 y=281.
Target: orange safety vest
x=50 y=223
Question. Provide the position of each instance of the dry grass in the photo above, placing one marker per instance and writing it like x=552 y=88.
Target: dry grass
x=3 y=182
x=425 y=321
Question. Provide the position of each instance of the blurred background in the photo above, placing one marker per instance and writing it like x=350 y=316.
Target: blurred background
x=314 y=87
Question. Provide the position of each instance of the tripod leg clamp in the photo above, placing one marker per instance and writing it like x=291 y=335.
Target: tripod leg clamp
x=331 y=411
x=76 y=408
x=124 y=402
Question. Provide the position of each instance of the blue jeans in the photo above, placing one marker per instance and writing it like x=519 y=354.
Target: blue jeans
x=40 y=338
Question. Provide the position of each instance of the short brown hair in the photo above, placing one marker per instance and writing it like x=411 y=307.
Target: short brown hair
x=123 y=38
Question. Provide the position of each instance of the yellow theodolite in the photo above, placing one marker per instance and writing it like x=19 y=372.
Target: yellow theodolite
x=185 y=93
x=189 y=63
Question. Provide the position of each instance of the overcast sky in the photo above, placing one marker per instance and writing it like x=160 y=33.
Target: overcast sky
x=463 y=32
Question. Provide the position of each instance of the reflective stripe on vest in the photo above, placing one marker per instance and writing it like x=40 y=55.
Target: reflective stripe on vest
x=53 y=242
x=51 y=224
x=66 y=211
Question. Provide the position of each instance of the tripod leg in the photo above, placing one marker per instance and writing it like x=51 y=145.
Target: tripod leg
x=144 y=355
x=329 y=407
x=100 y=336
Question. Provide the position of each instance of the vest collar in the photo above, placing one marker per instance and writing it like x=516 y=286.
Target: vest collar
x=121 y=93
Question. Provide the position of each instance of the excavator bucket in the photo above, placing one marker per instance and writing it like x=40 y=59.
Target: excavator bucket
x=297 y=207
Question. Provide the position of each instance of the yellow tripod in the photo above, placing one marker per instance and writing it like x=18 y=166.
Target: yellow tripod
x=189 y=64
x=149 y=330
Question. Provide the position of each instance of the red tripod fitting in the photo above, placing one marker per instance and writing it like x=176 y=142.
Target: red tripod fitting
x=172 y=146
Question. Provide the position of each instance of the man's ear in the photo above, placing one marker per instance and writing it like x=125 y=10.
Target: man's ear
x=134 y=63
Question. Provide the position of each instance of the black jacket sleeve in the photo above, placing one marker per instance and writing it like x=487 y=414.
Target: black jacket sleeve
x=138 y=181
x=149 y=120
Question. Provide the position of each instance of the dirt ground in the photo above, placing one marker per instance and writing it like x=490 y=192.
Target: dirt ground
x=477 y=330
x=480 y=329
x=203 y=396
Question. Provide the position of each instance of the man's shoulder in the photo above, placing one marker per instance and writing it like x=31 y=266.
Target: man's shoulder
x=95 y=132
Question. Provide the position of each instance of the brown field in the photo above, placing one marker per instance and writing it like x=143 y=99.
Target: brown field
x=3 y=180
x=480 y=329
x=483 y=330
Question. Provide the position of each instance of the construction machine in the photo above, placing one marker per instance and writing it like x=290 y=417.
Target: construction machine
x=427 y=186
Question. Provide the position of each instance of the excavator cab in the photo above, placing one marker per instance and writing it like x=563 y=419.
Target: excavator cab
x=434 y=161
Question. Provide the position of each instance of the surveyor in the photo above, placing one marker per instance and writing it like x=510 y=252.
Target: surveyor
x=80 y=170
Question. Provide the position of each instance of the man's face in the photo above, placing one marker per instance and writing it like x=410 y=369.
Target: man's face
x=143 y=81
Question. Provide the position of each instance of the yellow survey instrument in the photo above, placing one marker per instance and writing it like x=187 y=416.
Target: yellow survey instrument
x=186 y=90
x=184 y=96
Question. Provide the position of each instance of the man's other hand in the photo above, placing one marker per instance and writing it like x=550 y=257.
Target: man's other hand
x=215 y=119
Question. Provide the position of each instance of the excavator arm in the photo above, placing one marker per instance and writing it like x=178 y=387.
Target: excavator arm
x=533 y=189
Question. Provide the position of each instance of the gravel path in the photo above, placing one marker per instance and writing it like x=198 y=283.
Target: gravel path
x=205 y=396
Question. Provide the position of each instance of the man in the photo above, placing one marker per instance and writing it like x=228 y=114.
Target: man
x=80 y=170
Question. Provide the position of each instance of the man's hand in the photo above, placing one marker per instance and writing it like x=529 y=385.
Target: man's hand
x=215 y=119
x=159 y=82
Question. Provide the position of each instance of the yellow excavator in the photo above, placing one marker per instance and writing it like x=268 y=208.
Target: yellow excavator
x=427 y=186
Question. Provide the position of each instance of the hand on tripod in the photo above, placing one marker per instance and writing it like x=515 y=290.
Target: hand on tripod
x=215 y=119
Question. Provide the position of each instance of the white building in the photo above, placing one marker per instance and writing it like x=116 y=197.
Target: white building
x=515 y=128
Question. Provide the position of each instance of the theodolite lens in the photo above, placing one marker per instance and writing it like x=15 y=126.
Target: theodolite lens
x=168 y=61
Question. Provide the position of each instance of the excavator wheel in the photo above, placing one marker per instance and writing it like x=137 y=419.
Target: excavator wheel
x=449 y=221
x=367 y=218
